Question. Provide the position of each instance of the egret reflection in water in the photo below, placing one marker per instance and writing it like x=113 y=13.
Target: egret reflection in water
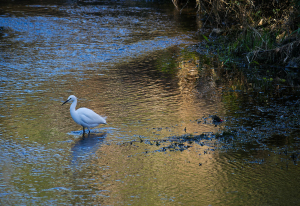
x=86 y=146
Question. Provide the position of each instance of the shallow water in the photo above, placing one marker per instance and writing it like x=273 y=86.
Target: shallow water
x=136 y=63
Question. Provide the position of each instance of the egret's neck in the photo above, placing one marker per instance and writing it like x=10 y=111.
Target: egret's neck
x=73 y=106
x=74 y=113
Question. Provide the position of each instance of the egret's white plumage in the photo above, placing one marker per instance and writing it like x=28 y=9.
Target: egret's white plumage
x=84 y=116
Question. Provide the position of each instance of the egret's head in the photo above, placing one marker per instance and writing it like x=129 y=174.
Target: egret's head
x=71 y=98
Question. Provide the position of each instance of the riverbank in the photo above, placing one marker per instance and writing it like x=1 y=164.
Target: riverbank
x=263 y=34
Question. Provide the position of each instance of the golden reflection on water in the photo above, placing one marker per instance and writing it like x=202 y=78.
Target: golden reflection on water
x=117 y=170
x=140 y=95
x=139 y=174
x=140 y=101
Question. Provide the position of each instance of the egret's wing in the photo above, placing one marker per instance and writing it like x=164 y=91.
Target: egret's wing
x=89 y=117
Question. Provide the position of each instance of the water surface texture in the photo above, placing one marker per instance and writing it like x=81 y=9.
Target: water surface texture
x=136 y=63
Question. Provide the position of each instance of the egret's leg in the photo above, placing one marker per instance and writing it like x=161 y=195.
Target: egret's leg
x=83 y=130
x=89 y=130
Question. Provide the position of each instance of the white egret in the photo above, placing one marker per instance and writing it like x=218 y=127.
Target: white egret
x=84 y=116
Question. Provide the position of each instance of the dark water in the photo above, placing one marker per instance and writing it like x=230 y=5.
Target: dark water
x=135 y=62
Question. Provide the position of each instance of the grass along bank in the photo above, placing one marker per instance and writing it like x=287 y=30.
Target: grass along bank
x=262 y=32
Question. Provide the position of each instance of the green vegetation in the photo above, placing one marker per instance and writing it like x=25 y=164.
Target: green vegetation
x=263 y=32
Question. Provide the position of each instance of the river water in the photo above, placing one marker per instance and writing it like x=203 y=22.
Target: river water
x=137 y=63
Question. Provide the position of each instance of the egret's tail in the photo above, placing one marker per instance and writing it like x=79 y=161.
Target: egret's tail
x=105 y=120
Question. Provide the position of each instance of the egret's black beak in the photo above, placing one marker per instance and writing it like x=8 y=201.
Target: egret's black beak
x=65 y=102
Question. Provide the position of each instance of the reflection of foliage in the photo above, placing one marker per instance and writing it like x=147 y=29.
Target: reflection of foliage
x=167 y=63
x=187 y=54
x=229 y=100
x=261 y=108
